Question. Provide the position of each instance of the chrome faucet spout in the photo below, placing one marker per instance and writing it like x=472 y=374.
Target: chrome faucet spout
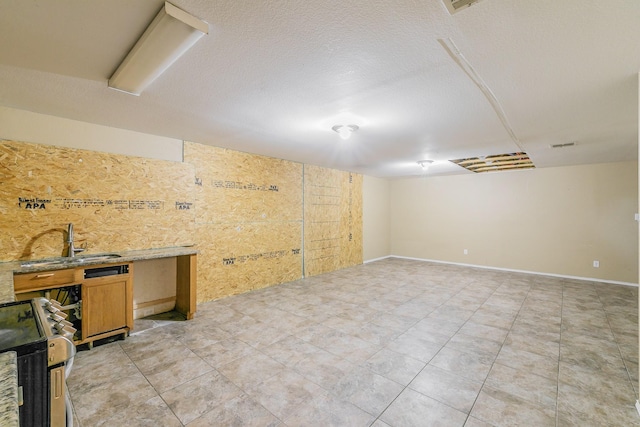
x=70 y=244
x=70 y=233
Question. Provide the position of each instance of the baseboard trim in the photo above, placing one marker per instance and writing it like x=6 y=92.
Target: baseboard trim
x=154 y=302
x=537 y=273
x=377 y=259
x=150 y=308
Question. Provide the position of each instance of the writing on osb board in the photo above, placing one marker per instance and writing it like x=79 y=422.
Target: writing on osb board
x=254 y=257
x=236 y=185
x=61 y=203
x=33 y=203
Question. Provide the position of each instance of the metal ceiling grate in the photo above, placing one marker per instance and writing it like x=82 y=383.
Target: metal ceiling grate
x=496 y=162
x=567 y=144
x=454 y=6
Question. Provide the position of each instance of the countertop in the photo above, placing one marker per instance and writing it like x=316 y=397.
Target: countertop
x=8 y=269
x=81 y=260
x=9 y=411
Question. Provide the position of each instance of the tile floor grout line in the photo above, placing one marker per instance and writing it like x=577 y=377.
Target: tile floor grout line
x=425 y=365
x=498 y=352
x=152 y=386
x=434 y=356
x=562 y=284
x=624 y=361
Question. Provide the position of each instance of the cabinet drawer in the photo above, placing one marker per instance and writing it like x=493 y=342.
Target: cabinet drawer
x=43 y=279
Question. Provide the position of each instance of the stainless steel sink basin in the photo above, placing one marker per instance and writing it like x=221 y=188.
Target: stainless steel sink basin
x=100 y=257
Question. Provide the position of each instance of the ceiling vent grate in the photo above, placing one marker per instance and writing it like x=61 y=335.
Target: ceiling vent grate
x=567 y=144
x=454 y=6
x=496 y=162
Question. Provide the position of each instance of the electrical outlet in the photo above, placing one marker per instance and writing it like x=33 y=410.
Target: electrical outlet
x=466 y=252
x=596 y=264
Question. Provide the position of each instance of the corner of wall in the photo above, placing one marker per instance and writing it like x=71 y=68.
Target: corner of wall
x=376 y=221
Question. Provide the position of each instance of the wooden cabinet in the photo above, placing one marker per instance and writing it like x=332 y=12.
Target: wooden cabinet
x=28 y=282
x=106 y=303
x=107 y=306
x=186 y=277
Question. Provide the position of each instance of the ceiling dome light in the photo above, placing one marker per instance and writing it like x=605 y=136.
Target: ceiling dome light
x=345 y=131
x=424 y=164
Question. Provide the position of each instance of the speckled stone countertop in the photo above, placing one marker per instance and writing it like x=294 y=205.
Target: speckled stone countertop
x=8 y=269
x=9 y=414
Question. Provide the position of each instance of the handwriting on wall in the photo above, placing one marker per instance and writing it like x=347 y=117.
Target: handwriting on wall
x=254 y=257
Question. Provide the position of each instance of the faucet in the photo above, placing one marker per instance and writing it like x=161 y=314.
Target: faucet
x=72 y=249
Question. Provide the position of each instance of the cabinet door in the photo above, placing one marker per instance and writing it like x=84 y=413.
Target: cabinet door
x=104 y=305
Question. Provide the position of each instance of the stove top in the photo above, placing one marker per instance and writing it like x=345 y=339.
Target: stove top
x=18 y=325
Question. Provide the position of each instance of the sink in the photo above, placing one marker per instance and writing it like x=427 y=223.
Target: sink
x=100 y=257
x=68 y=260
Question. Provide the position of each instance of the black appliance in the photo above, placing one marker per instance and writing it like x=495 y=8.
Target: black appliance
x=37 y=332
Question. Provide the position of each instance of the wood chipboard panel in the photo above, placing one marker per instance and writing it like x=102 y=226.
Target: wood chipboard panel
x=115 y=202
x=332 y=219
x=237 y=187
x=240 y=257
x=248 y=220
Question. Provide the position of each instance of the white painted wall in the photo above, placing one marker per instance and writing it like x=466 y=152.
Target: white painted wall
x=638 y=402
x=375 y=218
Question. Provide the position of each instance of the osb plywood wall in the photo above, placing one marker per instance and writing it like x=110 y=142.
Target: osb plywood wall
x=244 y=212
x=332 y=219
x=115 y=202
x=248 y=220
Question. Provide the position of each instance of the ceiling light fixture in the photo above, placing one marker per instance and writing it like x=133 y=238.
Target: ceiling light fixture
x=171 y=33
x=345 y=131
x=424 y=164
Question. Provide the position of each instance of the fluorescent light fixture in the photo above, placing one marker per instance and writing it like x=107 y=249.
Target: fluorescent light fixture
x=172 y=32
x=345 y=131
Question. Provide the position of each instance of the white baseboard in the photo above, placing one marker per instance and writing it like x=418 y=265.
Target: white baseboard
x=377 y=259
x=150 y=308
x=538 y=273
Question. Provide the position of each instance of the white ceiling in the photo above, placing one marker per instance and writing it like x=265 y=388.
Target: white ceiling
x=272 y=77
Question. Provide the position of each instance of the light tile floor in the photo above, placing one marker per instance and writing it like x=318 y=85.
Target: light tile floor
x=391 y=343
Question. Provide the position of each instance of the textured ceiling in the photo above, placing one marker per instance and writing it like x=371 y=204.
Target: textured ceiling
x=273 y=77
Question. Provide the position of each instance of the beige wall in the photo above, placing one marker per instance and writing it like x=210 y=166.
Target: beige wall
x=20 y=125
x=375 y=218
x=552 y=220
